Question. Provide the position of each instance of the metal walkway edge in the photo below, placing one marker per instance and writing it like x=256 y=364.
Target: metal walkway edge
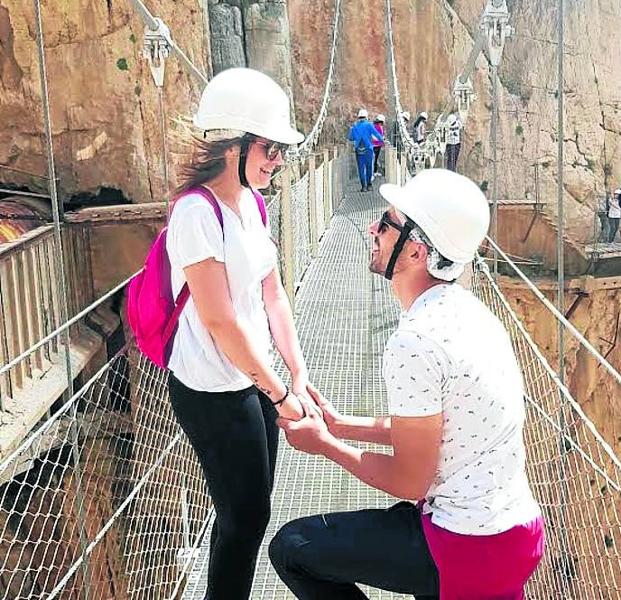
x=344 y=315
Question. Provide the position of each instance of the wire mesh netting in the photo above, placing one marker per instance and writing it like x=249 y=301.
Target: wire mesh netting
x=301 y=227
x=106 y=491
x=574 y=474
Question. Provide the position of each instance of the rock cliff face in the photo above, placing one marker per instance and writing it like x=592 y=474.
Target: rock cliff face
x=105 y=111
x=104 y=105
x=106 y=118
x=433 y=40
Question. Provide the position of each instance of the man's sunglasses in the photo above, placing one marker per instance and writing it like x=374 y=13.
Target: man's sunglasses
x=272 y=149
x=386 y=222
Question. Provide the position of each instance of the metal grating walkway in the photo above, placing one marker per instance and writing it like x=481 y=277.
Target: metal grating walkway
x=344 y=315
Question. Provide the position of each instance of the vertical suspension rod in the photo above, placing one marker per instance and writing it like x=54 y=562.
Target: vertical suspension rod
x=560 y=255
x=567 y=585
x=495 y=164
x=61 y=285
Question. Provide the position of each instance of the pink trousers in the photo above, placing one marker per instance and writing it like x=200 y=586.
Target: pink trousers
x=485 y=567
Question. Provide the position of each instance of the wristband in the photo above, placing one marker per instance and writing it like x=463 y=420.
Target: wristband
x=281 y=401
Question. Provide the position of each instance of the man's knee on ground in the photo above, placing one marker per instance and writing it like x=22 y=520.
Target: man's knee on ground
x=283 y=549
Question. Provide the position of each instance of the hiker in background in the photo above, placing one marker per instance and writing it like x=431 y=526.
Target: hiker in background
x=453 y=141
x=223 y=389
x=378 y=123
x=361 y=134
x=614 y=215
x=419 y=129
x=603 y=202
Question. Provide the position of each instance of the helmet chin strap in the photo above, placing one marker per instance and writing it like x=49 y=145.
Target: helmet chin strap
x=243 y=154
x=405 y=233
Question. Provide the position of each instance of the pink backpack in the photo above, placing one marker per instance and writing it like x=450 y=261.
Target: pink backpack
x=152 y=311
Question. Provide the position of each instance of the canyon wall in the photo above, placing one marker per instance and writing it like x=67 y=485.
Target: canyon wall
x=104 y=105
x=432 y=43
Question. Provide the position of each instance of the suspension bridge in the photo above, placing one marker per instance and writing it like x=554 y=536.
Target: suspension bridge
x=103 y=498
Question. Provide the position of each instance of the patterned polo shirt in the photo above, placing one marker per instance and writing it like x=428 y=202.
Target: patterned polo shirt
x=451 y=355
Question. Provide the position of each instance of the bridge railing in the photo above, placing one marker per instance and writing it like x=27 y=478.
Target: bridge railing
x=105 y=499
x=574 y=473
x=29 y=304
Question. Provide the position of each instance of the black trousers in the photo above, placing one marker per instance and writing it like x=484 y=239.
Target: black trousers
x=452 y=154
x=235 y=437
x=376 y=154
x=613 y=227
x=323 y=557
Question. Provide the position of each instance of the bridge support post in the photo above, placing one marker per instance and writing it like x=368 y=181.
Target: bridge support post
x=286 y=224
x=312 y=201
x=328 y=174
x=337 y=186
x=390 y=164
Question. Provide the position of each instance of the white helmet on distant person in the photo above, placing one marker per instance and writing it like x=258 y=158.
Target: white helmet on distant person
x=451 y=119
x=363 y=113
x=246 y=100
x=380 y=118
x=406 y=115
x=450 y=209
x=424 y=115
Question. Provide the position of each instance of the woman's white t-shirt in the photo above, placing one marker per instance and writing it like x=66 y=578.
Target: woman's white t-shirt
x=249 y=255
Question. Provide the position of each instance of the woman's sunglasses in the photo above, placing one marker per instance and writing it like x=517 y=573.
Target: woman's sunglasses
x=386 y=222
x=272 y=149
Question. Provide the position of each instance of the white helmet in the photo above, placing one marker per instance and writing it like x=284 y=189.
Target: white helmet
x=452 y=119
x=380 y=118
x=424 y=115
x=363 y=113
x=450 y=209
x=247 y=100
x=406 y=115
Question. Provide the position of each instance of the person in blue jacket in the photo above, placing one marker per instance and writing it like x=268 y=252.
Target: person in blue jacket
x=362 y=134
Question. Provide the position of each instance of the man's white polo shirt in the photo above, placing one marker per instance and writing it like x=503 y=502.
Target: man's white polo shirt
x=451 y=355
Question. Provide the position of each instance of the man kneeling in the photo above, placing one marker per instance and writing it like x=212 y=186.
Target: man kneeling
x=469 y=528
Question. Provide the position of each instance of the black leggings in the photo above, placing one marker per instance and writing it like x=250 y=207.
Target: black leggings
x=376 y=154
x=235 y=437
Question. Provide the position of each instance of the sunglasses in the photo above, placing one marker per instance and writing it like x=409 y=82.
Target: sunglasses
x=272 y=149
x=385 y=222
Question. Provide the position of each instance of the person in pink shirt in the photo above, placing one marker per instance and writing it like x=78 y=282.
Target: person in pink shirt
x=378 y=123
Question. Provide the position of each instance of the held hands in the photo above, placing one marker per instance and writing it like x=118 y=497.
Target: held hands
x=309 y=434
x=291 y=409
x=330 y=415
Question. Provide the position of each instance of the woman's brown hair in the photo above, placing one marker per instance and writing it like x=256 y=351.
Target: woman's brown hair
x=205 y=159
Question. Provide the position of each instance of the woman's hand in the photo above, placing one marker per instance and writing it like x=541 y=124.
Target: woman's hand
x=291 y=408
x=299 y=381
x=331 y=416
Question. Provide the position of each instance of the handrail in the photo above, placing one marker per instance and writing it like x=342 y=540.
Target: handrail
x=561 y=318
x=8 y=366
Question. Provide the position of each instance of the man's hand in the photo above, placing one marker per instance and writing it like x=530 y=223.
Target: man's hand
x=330 y=415
x=309 y=434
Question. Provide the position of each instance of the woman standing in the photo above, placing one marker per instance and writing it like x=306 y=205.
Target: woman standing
x=614 y=215
x=378 y=123
x=223 y=388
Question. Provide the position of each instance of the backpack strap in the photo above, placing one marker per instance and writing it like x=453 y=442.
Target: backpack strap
x=208 y=195
x=258 y=196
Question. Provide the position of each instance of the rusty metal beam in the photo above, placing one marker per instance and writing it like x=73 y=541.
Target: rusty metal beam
x=151 y=211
